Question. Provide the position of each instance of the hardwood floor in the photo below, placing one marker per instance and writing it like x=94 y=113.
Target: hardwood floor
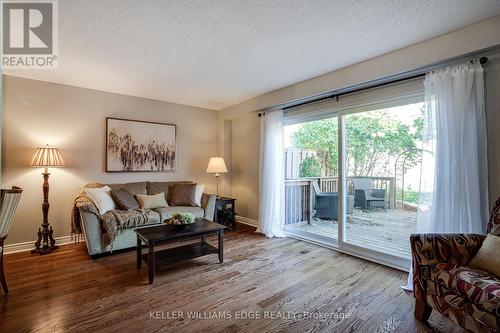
x=280 y=278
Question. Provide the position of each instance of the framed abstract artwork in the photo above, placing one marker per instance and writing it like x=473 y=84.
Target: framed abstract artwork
x=140 y=146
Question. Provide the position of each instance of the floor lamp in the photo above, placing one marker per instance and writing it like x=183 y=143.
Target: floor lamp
x=216 y=165
x=46 y=157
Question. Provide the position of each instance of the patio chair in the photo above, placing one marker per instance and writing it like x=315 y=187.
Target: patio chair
x=366 y=197
x=326 y=204
x=9 y=200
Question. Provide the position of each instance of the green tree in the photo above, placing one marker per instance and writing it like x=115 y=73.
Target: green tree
x=322 y=137
x=310 y=167
x=373 y=141
x=418 y=125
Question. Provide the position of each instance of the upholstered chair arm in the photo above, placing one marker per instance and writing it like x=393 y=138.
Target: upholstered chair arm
x=208 y=205
x=431 y=249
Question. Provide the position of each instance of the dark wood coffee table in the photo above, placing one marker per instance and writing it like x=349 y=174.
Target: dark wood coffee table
x=164 y=233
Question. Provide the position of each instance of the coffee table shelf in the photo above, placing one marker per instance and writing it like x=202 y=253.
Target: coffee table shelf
x=175 y=255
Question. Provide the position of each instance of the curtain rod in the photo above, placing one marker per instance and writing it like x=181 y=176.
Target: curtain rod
x=365 y=86
x=351 y=91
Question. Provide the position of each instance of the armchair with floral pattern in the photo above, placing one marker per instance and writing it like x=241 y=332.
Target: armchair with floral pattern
x=442 y=280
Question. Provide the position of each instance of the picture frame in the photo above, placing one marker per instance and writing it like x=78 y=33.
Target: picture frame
x=140 y=146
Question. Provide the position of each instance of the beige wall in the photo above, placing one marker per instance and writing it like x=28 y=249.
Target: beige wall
x=246 y=154
x=246 y=127
x=227 y=185
x=36 y=113
x=224 y=150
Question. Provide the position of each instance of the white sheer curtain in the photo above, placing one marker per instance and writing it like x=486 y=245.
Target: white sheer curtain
x=454 y=193
x=272 y=175
x=453 y=182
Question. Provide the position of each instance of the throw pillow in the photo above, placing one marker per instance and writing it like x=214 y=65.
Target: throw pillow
x=101 y=198
x=151 y=201
x=124 y=199
x=198 y=194
x=182 y=194
x=487 y=258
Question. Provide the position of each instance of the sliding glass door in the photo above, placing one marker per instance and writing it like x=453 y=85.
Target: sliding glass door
x=353 y=172
x=311 y=161
x=383 y=177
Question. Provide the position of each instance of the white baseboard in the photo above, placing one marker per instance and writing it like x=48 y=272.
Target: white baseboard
x=247 y=221
x=27 y=246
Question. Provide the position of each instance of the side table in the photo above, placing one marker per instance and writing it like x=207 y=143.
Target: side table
x=225 y=212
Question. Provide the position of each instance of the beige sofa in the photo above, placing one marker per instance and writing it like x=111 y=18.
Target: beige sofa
x=91 y=223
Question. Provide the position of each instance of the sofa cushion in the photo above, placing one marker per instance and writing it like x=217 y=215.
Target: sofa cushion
x=158 y=187
x=476 y=286
x=151 y=201
x=167 y=212
x=124 y=199
x=198 y=194
x=101 y=197
x=153 y=217
x=182 y=195
x=488 y=258
x=134 y=188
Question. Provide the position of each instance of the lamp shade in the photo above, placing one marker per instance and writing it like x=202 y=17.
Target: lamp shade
x=216 y=165
x=47 y=157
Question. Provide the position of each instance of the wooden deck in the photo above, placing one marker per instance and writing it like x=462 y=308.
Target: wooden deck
x=387 y=232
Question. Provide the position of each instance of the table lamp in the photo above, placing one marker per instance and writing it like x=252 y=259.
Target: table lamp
x=46 y=157
x=216 y=165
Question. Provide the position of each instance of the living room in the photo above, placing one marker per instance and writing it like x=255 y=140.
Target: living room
x=250 y=166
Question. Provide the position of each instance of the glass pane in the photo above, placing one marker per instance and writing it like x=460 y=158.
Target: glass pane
x=311 y=155
x=383 y=159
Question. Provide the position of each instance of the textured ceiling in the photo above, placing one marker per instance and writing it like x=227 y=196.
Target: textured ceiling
x=217 y=53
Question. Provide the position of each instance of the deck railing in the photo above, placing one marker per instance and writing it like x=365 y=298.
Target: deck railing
x=298 y=200
x=299 y=194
